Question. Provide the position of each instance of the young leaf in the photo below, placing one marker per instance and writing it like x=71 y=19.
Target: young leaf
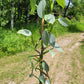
x=58 y=47
x=63 y=21
x=61 y=3
x=45 y=66
x=45 y=38
x=52 y=53
x=50 y=18
x=25 y=32
x=41 y=8
x=42 y=78
x=51 y=40
x=47 y=81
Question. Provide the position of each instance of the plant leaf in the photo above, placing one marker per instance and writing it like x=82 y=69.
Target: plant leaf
x=51 y=40
x=42 y=78
x=32 y=66
x=52 y=53
x=58 y=47
x=61 y=3
x=63 y=21
x=45 y=38
x=47 y=51
x=47 y=81
x=52 y=4
x=25 y=32
x=41 y=8
x=50 y=18
x=45 y=66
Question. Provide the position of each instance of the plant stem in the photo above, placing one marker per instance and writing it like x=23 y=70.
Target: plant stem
x=41 y=56
x=42 y=29
x=51 y=28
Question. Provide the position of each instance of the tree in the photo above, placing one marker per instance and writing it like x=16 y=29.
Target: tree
x=66 y=9
x=46 y=39
x=75 y=9
x=12 y=16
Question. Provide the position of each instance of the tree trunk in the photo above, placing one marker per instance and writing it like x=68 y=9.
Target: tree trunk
x=66 y=10
x=12 y=8
x=27 y=17
x=27 y=12
x=15 y=14
x=19 y=13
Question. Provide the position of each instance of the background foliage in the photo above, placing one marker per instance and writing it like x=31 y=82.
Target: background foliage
x=11 y=43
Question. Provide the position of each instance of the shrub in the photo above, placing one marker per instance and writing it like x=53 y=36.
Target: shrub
x=12 y=43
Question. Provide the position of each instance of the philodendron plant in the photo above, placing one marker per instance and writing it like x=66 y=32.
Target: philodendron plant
x=47 y=39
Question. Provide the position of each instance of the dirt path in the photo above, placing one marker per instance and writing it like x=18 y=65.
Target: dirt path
x=65 y=67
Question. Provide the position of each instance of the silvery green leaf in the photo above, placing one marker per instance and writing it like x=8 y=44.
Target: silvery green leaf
x=52 y=53
x=42 y=78
x=51 y=40
x=50 y=18
x=58 y=47
x=47 y=81
x=63 y=21
x=25 y=32
x=41 y=8
x=45 y=38
x=45 y=66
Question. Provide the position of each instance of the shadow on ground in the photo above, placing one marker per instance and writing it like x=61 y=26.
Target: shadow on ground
x=74 y=29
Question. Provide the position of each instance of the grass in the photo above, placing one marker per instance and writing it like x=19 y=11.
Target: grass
x=77 y=26
x=74 y=75
x=14 y=68
x=77 y=65
x=82 y=55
